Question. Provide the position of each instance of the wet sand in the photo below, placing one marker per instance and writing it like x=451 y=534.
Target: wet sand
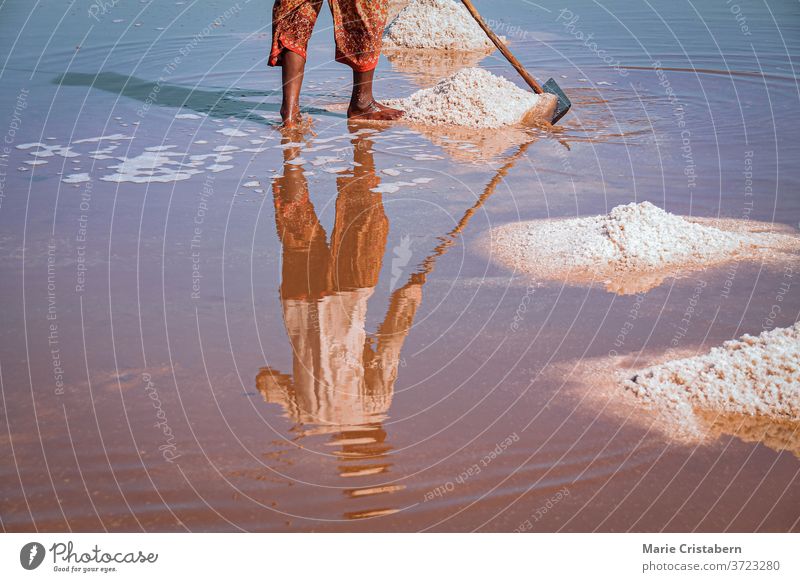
x=302 y=335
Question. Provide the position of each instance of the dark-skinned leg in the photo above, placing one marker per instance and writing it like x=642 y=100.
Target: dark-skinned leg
x=292 y=69
x=362 y=102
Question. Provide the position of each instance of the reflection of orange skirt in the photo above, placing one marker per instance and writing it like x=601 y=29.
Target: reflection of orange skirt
x=357 y=29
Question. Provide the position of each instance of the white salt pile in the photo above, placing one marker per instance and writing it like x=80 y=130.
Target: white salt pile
x=754 y=376
x=778 y=435
x=474 y=98
x=394 y=7
x=435 y=24
x=632 y=240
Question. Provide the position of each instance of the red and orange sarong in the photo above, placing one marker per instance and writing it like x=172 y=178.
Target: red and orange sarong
x=357 y=29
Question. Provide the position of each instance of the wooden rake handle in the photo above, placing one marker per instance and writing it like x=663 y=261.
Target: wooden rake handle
x=503 y=48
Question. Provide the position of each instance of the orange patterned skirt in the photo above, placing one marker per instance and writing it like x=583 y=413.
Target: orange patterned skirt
x=357 y=29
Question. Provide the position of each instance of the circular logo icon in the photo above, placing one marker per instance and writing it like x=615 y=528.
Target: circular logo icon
x=31 y=555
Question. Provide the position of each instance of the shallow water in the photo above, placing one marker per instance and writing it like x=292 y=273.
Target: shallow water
x=175 y=358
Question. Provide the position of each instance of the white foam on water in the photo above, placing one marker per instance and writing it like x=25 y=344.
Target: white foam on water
x=213 y=156
x=322 y=160
x=76 y=178
x=219 y=167
x=112 y=137
x=390 y=187
x=318 y=148
x=386 y=188
x=103 y=151
x=151 y=166
x=232 y=132
x=48 y=151
x=323 y=140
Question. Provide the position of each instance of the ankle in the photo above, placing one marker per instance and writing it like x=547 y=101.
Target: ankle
x=361 y=102
x=289 y=110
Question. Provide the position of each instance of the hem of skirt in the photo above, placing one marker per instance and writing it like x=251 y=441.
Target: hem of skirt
x=280 y=45
x=359 y=68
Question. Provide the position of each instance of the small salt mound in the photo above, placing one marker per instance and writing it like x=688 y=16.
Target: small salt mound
x=634 y=240
x=435 y=24
x=642 y=237
x=473 y=98
x=757 y=376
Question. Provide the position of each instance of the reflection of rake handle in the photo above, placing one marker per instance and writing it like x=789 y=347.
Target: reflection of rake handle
x=450 y=238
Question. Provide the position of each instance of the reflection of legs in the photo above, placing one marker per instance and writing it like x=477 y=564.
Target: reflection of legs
x=306 y=258
x=359 y=237
x=361 y=227
x=292 y=23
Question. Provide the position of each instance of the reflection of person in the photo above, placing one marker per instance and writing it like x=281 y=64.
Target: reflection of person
x=340 y=378
x=342 y=381
x=357 y=29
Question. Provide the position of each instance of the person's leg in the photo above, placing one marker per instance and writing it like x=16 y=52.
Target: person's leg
x=358 y=28
x=292 y=23
x=292 y=69
x=362 y=101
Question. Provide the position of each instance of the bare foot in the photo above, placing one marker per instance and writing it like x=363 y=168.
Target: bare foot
x=291 y=117
x=374 y=111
